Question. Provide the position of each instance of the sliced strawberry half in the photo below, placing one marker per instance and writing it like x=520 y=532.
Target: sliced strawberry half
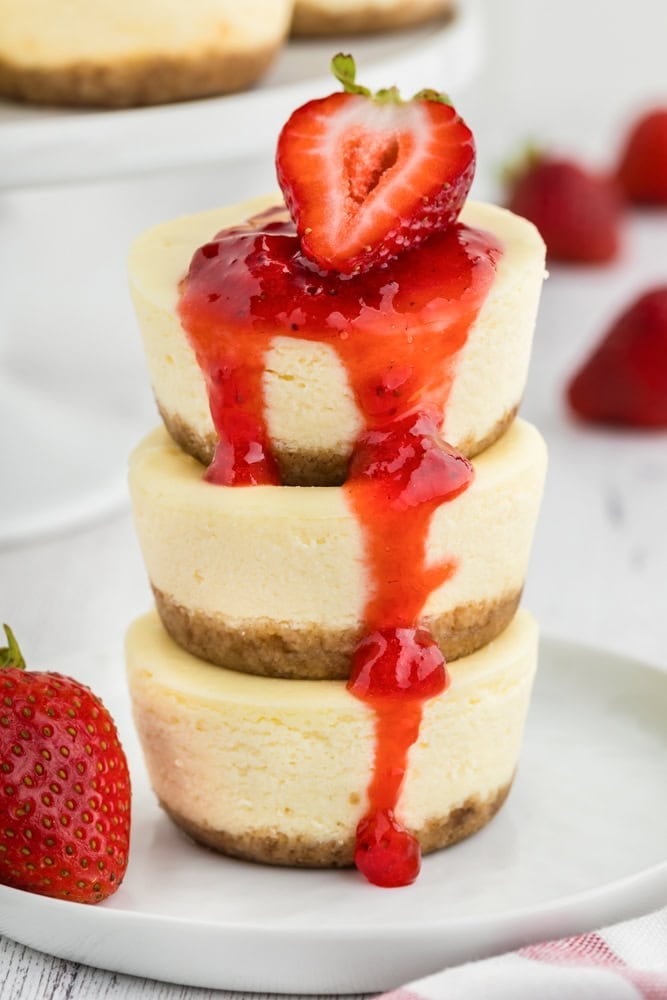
x=366 y=176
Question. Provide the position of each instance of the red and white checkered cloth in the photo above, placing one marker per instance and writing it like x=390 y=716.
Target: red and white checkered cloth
x=624 y=962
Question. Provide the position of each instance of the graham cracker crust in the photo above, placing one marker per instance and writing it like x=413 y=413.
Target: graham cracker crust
x=135 y=82
x=364 y=18
x=271 y=847
x=276 y=649
x=310 y=468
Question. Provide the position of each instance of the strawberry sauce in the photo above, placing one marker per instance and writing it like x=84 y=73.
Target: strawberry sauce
x=394 y=671
x=397 y=330
x=398 y=476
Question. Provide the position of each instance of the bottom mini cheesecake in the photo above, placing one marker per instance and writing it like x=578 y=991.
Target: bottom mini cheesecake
x=277 y=771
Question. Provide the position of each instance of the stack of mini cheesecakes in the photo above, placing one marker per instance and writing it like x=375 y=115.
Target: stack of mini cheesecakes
x=253 y=741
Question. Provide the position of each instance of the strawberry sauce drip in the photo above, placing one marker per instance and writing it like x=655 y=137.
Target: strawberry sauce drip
x=397 y=330
x=394 y=671
x=243 y=454
x=399 y=475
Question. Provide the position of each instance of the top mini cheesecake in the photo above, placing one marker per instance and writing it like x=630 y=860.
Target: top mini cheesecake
x=311 y=411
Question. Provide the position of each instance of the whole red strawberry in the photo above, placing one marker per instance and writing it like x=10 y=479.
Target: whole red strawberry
x=64 y=786
x=367 y=176
x=625 y=379
x=578 y=213
x=642 y=170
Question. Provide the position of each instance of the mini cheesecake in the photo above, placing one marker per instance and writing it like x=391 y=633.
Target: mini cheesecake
x=273 y=580
x=311 y=413
x=119 y=53
x=335 y=17
x=278 y=771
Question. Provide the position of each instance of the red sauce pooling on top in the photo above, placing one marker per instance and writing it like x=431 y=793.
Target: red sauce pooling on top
x=397 y=330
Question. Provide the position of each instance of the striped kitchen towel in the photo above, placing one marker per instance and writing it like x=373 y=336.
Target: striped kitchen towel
x=624 y=962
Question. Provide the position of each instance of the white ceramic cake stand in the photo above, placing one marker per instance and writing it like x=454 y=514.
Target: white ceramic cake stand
x=69 y=412
x=41 y=145
x=72 y=400
x=55 y=463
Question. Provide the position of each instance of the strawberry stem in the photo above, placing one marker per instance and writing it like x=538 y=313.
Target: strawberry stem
x=11 y=655
x=388 y=95
x=431 y=95
x=344 y=69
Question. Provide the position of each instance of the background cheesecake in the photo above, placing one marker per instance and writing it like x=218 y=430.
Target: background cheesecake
x=335 y=17
x=115 y=53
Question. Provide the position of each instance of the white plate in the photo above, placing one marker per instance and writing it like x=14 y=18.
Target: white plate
x=581 y=842
x=41 y=145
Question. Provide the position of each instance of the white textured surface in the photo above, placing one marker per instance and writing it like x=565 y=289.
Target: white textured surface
x=600 y=559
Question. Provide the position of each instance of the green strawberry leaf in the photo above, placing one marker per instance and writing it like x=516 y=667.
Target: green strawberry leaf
x=344 y=69
x=432 y=95
x=11 y=655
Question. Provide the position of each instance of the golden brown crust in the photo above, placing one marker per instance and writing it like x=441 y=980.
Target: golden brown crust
x=276 y=649
x=135 y=82
x=272 y=847
x=311 y=468
x=201 y=448
x=472 y=446
x=365 y=18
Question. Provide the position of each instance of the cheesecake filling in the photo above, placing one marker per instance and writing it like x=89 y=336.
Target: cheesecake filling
x=275 y=580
